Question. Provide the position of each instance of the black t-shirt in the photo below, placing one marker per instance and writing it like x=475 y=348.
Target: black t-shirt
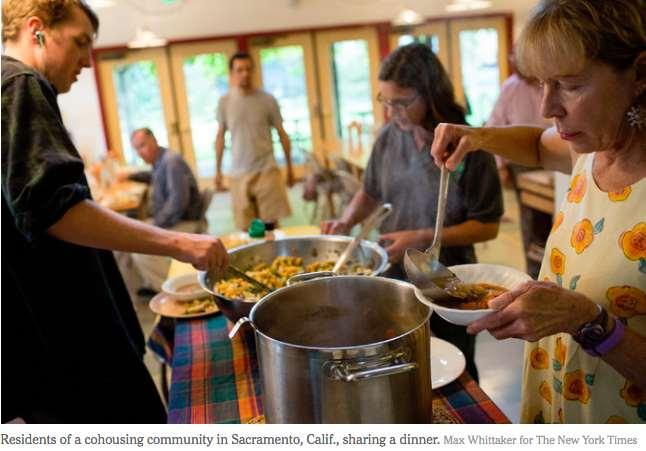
x=409 y=179
x=72 y=346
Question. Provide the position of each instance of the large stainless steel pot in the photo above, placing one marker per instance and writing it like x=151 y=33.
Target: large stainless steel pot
x=345 y=349
x=309 y=248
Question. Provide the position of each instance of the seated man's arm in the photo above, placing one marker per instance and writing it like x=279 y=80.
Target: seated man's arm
x=176 y=204
x=141 y=176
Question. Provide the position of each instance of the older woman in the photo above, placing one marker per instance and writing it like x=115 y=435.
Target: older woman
x=586 y=317
x=72 y=348
x=417 y=94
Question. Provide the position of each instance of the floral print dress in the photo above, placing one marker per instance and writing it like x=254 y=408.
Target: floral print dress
x=597 y=247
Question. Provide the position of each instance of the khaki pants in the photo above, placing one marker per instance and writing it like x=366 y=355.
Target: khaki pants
x=260 y=194
x=148 y=271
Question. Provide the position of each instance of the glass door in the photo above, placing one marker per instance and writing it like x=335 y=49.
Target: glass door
x=479 y=57
x=435 y=35
x=348 y=64
x=285 y=69
x=201 y=77
x=136 y=92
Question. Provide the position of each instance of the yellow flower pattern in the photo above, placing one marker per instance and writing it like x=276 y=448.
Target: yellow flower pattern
x=633 y=242
x=578 y=187
x=615 y=419
x=620 y=196
x=575 y=387
x=632 y=394
x=545 y=391
x=557 y=261
x=557 y=220
x=539 y=359
x=582 y=235
x=560 y=351
x=626 y=301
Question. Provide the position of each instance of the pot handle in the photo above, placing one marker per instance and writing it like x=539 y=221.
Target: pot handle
x=343 y=373
x=236 y=327
x=308 y=276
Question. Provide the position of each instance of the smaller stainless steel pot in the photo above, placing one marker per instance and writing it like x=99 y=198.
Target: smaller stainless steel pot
x=309 y=248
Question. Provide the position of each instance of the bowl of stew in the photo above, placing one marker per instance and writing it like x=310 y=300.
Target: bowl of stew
x=482 y=283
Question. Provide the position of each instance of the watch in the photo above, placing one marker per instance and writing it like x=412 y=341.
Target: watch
x=598 y=336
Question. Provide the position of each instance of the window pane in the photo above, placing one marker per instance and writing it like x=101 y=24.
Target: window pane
x=431 y=40
x=283 y=75
x=139 y=104
x=480 y=72
x=206 y=78
x=352 y=88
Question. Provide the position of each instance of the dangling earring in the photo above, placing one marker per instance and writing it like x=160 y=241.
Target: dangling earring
x=636 y=117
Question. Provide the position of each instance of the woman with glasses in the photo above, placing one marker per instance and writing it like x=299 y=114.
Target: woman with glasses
x=417 y=95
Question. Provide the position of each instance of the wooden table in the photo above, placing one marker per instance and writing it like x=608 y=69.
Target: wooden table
x=124 y=196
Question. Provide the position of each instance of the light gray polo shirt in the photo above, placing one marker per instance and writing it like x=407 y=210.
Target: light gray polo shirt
x=249 y=119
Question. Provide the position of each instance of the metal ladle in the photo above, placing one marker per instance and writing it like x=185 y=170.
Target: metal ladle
x=423 y=268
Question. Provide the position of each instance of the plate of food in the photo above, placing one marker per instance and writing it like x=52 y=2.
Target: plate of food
x=184 y=288
x=447 y=363
x=482 y=283
x=166 y=305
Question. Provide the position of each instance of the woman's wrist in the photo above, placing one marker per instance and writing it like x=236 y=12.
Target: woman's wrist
x=584 y=311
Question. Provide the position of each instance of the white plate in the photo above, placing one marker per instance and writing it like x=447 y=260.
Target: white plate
x=172 y=285
x=447 y=363
x=167 y=306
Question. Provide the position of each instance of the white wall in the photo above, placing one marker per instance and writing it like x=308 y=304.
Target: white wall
x=200 y=18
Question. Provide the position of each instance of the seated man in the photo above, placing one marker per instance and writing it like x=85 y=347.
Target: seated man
x=176 y=204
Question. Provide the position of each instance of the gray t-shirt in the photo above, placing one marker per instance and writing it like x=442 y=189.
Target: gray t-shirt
x=409 y=179
x=249 y=118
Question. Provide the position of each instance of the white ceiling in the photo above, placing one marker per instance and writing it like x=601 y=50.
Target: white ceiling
x=203 y=18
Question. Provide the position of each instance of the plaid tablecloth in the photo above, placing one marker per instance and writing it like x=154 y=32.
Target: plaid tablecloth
x=215 y=380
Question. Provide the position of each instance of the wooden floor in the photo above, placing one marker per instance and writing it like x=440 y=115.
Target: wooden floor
x=499 y=363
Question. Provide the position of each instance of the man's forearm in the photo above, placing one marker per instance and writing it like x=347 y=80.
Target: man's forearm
x=360 y=207
x=219 y=151
x=287 y=148
x=89 y=224
x=468 y=233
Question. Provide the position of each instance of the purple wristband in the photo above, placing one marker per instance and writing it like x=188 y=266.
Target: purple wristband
x=609 y=342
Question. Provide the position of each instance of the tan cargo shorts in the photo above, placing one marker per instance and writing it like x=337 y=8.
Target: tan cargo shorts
x=260 y=194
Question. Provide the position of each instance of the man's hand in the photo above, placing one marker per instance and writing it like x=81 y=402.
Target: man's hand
x=335 y=227
x=202 y=251
x=219 y=185
x=399 y=241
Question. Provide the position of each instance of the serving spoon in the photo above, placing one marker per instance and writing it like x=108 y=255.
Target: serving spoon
x=424 y=269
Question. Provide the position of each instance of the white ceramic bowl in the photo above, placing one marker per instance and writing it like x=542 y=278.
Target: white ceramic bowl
x=176 y=287
x=475 y=273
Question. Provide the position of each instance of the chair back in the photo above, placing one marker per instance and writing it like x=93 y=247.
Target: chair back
x=207 y=197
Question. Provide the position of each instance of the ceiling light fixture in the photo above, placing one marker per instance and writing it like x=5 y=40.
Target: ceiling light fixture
x=144 y=38
x=467 y=5
x=408 y=18
x=100 y=4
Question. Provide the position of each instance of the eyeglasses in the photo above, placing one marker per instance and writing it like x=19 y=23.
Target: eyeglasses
x=400 y=105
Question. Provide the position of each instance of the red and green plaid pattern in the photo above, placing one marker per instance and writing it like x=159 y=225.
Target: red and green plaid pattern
x=216 y=380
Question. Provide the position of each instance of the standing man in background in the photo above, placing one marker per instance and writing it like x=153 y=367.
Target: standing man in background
x=256 y=184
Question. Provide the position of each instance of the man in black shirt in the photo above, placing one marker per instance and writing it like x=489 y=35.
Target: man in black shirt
x=72 y=349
